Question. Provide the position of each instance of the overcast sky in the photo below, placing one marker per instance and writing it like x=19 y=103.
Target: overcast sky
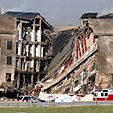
x=58 y=12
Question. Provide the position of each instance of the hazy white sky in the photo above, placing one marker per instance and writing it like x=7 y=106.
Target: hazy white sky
x=58 y=12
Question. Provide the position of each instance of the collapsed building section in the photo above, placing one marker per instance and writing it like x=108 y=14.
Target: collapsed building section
x=85 y=62
x=73 y=68
x=102 y=26
x=25 y=48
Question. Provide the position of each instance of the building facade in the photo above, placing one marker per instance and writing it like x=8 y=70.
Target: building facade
x=26 y=50
x=7 y=52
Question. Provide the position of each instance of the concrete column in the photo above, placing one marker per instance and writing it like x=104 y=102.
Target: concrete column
x=42 y=49
x=20 y=31
x=32 y=77
x=32 y=51
x=19 y=51
x=40 y=28
x=38 y=48
x=33 y=33
x=18 y=78
x=18 y=81
x=27 y=50
x=33 y=37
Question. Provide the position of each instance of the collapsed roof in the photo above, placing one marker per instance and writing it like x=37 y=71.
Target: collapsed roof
x=64 y=42
x=61 y=39
x=22 y=15
x=28 y=16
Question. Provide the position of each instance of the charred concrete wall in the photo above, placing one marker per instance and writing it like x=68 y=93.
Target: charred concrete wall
x=103 y=28
x=104 y=64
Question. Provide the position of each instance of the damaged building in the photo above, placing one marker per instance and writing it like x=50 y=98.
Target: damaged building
x=25 y=50
x=84 y=62
x=73 y=61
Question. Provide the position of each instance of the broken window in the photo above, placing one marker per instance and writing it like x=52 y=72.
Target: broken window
x=9 y=60
x=8 y=77
x=9 y=45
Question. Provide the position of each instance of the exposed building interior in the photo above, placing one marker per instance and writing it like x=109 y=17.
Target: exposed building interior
x=31 y=49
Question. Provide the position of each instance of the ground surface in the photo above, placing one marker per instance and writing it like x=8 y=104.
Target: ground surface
x=74 y=109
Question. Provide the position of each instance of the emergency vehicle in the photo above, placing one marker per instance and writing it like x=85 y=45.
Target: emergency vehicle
x=103 y=95
x=25 y=98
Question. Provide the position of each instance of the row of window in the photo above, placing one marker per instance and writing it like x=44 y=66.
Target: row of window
x=9 y=47
x=9 y=61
